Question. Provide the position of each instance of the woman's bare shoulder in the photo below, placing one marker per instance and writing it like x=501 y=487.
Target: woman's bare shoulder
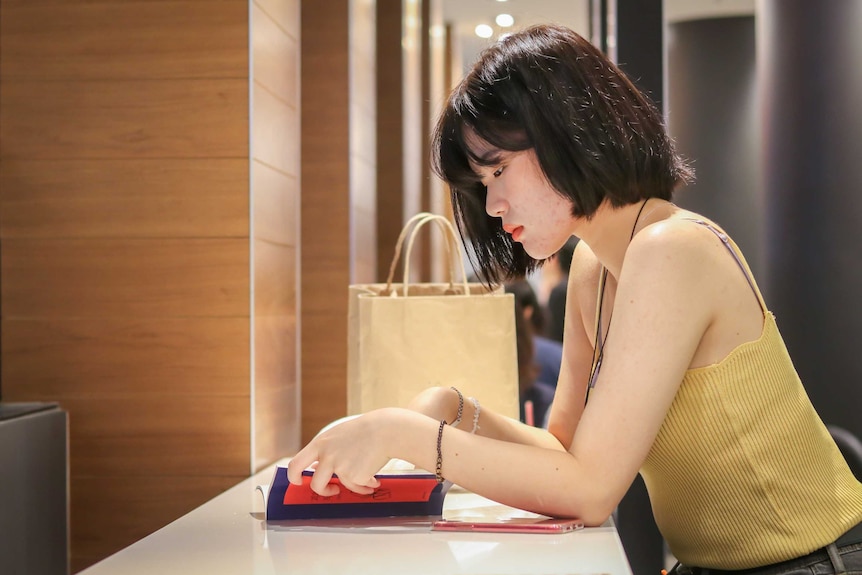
x=685 y=234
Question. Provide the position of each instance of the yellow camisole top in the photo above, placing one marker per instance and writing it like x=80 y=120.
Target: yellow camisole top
x=743 y=472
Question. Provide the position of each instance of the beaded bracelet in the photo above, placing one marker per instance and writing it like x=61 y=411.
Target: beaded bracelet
x=439 y=472
x=460 y=407
x=477 y=409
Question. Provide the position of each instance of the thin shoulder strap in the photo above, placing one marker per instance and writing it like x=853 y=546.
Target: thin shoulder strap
x=603 y=279
x=731 y=247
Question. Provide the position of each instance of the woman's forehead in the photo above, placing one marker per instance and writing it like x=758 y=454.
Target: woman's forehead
x=478 y=148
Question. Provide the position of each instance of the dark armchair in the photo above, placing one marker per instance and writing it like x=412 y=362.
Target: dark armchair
x=851 y=448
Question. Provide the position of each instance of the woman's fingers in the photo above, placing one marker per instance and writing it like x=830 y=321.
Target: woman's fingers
x=306 y=458
x=334 y=452
x=356 y=487
x=321 y=482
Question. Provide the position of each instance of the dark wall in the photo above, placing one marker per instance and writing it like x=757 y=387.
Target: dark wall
x=640 y=45
x=712 y=115
x=811 y=78
x=639 y=51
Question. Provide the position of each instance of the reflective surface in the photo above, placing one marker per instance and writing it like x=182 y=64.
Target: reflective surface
x=228 y=535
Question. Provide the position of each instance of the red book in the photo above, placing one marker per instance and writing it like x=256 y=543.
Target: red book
x=401 y=493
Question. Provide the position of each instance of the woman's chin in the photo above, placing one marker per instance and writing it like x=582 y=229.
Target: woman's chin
x=536 y=254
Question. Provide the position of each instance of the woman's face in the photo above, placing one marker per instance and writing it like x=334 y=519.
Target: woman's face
x=519 y=193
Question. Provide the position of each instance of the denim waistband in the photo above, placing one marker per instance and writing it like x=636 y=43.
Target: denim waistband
x=851 y=537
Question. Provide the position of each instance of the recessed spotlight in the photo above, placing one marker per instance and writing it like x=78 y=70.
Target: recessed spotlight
x=504 y=20
x=484 y=31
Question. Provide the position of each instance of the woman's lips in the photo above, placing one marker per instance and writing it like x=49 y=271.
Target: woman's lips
x=515 y=231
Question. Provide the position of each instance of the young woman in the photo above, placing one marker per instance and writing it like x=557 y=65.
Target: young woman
x=673 y=365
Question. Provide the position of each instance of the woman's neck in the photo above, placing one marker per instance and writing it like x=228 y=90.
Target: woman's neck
x=610 y=230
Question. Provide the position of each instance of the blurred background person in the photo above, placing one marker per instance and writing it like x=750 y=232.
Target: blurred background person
x=556 y=303
x=547 y=354
x=535 y=396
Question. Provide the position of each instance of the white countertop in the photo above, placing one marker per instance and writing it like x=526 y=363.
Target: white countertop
x=228 y=535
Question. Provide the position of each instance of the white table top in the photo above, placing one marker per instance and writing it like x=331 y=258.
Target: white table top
x=228 y=535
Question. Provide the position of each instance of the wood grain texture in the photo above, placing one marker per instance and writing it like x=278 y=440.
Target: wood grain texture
x=275 y=229
x=390 y=132
x=277 y=426
x=170 y=434
x=124 y=198
x=325 y=263
x=46 y=278
x=124 y=40
x=108 y=514
x=75 y=119
x=127 y=227
x=275 y=352
x=46 y=359
x=274 y=279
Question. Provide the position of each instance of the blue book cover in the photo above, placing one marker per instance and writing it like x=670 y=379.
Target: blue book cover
x=401 y=493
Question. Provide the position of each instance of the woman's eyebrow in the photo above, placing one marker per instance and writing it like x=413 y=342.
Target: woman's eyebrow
x=488 y=158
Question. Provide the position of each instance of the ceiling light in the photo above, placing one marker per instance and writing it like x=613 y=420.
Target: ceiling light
x=504 y=20
x=484 y=31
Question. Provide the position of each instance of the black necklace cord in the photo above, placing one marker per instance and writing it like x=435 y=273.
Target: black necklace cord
x=599 y=348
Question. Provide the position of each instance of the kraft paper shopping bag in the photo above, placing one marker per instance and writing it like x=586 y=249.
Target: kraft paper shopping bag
x=404 y=337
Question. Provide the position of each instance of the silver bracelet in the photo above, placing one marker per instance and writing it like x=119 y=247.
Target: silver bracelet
x=477 y=409
x=460 y=407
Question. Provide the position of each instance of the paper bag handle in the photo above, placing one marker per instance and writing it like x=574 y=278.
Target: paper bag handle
x=451 y=237
x=400 y=242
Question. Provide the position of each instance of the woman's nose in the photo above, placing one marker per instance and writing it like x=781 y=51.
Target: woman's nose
x=495 y=206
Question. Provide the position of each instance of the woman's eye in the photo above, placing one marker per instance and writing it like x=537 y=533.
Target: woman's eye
x=498 y=172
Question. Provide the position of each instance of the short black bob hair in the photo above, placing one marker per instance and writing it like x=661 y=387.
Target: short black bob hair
x=594 y=134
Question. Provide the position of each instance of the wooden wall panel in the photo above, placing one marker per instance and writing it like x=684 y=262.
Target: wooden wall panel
x=124 y=277
x=276 y=55
x=190 y=198
x=412 y=112
x=275 y=124
x=363 y=149
x=285 y=13
x=276 y=389
x=78 y=358
x=107 y=513
x=125 y=246
x=115 y=40
x=325 y=260
x=275 y=212
x=277 y=422
x=275 y=353
x=121 y=435
x=274 y=279
x=390 y=131
x=120 y=119
x=276 y=205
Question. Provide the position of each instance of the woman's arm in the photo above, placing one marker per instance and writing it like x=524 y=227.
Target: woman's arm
x=442 y=403
x=664 y=302
x=571 y=389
